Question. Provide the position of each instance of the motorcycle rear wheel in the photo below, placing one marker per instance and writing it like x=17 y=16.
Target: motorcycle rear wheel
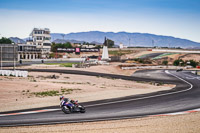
x=82 y=109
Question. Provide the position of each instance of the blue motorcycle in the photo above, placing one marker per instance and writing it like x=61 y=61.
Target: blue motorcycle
x=69 y=107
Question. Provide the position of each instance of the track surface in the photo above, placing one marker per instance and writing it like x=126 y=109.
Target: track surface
x=153 y=55
x=185 y=96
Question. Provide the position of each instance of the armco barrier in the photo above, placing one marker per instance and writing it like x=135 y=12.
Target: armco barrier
x=15 y=73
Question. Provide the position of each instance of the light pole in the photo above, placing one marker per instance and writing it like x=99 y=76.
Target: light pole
x=153 y=43
x=63 y=35
x=14 y=57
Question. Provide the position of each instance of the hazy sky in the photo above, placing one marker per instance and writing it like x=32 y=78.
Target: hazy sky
x=178 y=18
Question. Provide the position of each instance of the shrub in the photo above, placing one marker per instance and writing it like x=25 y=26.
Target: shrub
x=179 y=62
x=165 y=62
x=193 y=63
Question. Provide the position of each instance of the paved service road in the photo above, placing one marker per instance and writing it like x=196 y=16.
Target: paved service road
x=185 y=96
x=27 y=63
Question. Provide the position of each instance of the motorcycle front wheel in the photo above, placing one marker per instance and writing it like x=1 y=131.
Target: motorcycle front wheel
x=66 y=110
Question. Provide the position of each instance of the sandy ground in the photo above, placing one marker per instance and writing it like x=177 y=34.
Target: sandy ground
x=90 y=88
x=188 y=123
x=20 y=90
x=195 y=57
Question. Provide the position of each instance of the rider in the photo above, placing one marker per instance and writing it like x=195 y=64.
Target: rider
x=63 y=99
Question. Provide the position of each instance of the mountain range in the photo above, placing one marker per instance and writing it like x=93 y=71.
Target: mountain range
x=128 y=39
x=17 y=40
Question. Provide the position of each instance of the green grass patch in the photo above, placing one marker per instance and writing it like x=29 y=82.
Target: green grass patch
x=158 y=57
x=163 y=55
x=143 y=56
x=54 y=92
x=46 y=93
x=33 y=80
x=78 y=83
x=120 y=52
x=62 y=64
x=68 y=91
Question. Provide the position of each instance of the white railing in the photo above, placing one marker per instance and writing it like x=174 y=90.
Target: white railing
x=15 y=73
x=176 y=51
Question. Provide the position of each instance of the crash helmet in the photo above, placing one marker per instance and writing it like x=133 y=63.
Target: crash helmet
x=61 y=97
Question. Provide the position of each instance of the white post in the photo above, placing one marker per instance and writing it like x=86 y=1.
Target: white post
x=1 y=57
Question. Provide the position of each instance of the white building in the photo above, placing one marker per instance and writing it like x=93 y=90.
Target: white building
x=41 y=39
x=28 y=52
x=121 y=45
x=105 y=56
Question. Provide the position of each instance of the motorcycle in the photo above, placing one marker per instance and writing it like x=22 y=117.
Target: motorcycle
x=68 y=107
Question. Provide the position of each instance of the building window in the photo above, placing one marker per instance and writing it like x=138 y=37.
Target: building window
x=47 y=38
x=39 y=38
x=47 y=44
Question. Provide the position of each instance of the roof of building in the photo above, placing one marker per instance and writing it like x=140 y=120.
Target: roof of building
x=41 y=29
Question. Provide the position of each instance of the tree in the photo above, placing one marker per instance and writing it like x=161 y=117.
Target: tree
x=176 y=63
x=5 y=40
x=53 y=47
x=110 y=43
x=179 y=62
x=165 y=62
x=67 y=45
x=193 y=63
x=59 y=45
x=98 y=46
x=52 y=55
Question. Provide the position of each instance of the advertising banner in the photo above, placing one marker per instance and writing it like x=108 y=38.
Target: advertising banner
x=77 y=50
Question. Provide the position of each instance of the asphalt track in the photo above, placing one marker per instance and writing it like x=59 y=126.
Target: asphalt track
x=185 y=96
x=152 y=55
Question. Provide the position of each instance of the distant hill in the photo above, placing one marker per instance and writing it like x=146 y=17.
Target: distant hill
x=135 y=39
x=17 y=40
x=64 y=41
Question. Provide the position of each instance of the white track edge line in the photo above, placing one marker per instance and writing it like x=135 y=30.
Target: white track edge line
x=135 y=99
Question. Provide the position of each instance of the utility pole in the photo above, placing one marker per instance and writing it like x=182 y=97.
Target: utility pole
x=153 y=43
x=1 y=58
